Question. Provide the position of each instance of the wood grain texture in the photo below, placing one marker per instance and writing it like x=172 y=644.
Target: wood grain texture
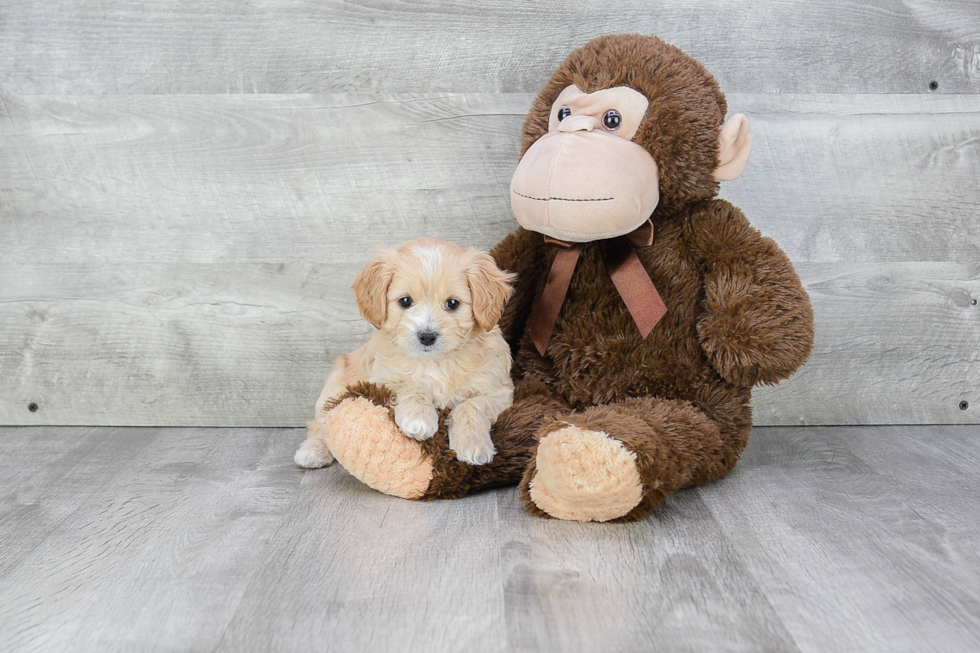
x=154 y=555
x=184 y=260
x=896 y=343
x=45 y=479
x=667 y=583
x=256 y=178
x=182 y=46
x=826 y=526
x=313 y=178
x=352 y=569
x=251 y=344
x=842 y=538
x=863 y=178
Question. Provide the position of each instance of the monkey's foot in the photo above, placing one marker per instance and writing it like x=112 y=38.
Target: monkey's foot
x=363 y=437
x=582 y=475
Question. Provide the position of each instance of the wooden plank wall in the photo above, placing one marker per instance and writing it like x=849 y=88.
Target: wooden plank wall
x=188 y=189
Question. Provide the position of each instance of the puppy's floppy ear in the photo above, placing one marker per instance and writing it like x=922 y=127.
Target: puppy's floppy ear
x=371 y=287
x=490 y=287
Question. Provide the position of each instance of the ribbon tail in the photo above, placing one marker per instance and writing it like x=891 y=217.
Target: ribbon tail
x=553 y=296
x=634 y=284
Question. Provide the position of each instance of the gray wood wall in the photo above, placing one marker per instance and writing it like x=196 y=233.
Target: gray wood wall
x=187 y=189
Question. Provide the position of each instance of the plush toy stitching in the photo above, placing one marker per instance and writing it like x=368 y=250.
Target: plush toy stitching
x=564 y=199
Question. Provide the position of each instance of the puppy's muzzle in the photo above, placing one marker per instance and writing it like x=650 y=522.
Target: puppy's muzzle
x=428 y=338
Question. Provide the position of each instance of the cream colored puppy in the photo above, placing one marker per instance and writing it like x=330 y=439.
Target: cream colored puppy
x=435 y=307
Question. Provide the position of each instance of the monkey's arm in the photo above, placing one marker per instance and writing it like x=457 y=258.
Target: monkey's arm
x=522 y=252
x=757 y=323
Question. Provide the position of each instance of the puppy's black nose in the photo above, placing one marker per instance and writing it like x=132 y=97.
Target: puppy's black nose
x=428 y=338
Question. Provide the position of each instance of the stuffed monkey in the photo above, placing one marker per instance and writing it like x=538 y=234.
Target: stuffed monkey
x=644 y=311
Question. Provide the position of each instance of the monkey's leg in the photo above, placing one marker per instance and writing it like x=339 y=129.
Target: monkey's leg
x=617 y=462
x=366 y=441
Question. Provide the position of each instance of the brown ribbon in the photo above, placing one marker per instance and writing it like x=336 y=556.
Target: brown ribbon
x=624 y=268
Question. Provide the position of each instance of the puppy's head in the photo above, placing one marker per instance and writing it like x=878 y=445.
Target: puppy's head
x=430 y=296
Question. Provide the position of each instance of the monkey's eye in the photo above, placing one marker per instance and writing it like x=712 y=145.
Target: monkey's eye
x=563 y=113
x=612 y=120
x=405 y=302
x=452 y=304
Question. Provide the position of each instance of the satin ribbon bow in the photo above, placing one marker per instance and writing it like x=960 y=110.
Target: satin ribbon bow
x=624 y=268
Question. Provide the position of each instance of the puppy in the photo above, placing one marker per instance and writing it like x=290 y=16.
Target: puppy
x=435 y=307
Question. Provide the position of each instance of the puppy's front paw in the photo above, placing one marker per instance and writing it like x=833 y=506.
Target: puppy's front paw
x=416 y=420
x=472 y=444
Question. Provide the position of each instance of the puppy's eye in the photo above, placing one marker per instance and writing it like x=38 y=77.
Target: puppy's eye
x=611 y=120
x=452 y=304
x=405 y=302
x=563 y=113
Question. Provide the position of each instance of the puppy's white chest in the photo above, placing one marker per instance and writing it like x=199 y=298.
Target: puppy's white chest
x=438 y=380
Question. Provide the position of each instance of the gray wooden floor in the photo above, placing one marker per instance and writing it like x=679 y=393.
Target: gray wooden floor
x=824 y=539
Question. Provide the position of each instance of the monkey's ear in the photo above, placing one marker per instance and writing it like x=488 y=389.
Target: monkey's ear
x=490 y=287
x=735 y=145
x=371 y=287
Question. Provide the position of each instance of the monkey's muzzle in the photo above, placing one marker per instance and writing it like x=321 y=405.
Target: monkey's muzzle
x=581 y=186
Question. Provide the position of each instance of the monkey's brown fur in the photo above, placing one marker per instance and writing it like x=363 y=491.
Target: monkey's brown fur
x=737 y=314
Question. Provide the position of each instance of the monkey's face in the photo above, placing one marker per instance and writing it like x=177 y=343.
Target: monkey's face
x=586 y=179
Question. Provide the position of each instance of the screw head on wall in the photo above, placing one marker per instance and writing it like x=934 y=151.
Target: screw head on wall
x=964 y=405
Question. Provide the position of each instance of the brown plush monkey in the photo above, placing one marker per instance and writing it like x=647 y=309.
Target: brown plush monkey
x=644 y=311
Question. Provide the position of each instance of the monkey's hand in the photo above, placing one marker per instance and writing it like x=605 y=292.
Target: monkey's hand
x=757 y=323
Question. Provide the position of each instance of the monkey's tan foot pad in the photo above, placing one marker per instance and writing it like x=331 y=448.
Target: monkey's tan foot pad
x=363 y=437
x=584 y=475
